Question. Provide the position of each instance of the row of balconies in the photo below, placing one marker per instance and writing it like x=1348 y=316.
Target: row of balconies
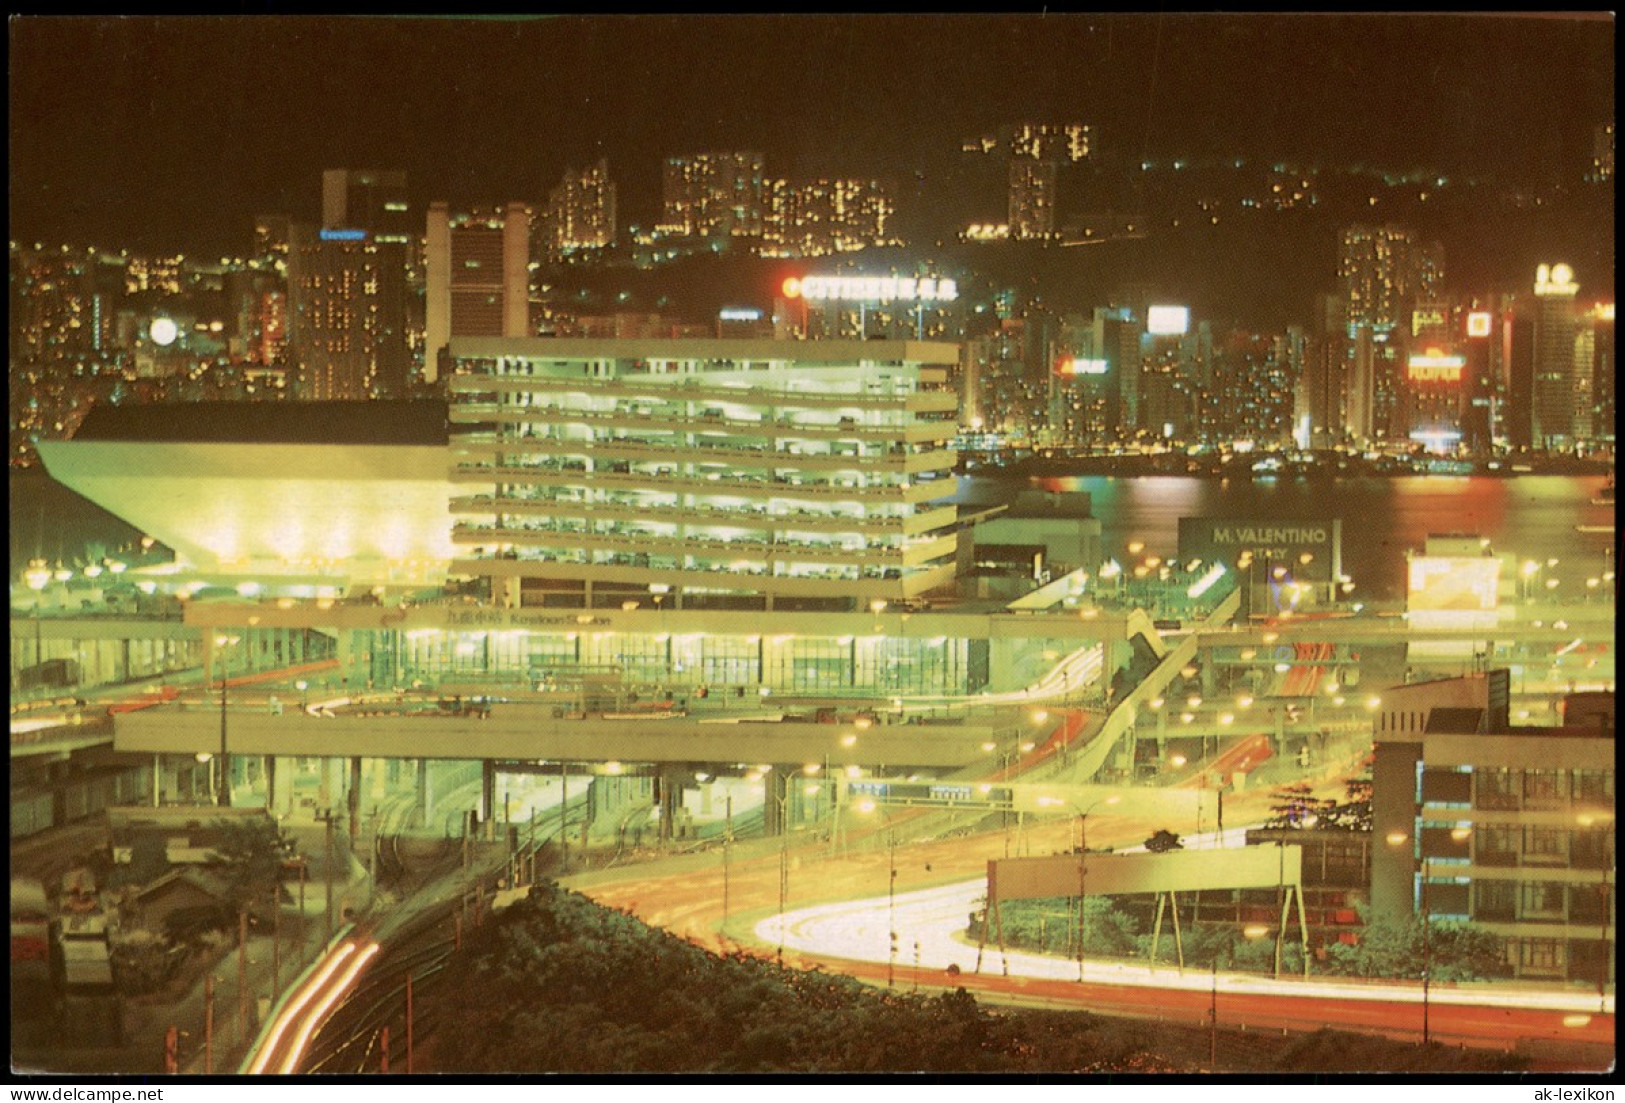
x=781 y=427
x=688 y=388
x=766 y=518
x=749 y=568
x=913 y=492
x=792 y=550
x=746 y=456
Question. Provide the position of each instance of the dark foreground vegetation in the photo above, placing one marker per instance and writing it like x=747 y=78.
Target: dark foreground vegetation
x=558 y=984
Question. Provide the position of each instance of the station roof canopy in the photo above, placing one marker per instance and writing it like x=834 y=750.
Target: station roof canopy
x=382 y=422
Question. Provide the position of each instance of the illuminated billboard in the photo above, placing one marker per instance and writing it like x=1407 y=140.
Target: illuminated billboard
x=1555 y=279
x=1478 y=324
x=1167 y=321
x=1072 y=365
x=1308 y=551
x=1434 y=366
x=1451 y=593
x=871 y=288
x=1453 y=584
x=1425 y=319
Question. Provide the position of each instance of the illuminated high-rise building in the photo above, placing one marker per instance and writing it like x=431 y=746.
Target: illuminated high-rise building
x=1053 y=142
x=1603 y=369
x=1555 y=396
x=724 y=474
x=706 y=194
x=346 y=319
x=477 y=278
x=1602 y=154
x=272 y=234
x=824 y=216
x=367 y=199
x=1383 y=271
x=1032 y=200
x=581 y=211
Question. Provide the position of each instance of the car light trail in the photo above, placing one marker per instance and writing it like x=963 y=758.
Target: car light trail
x=319 y=1010
x=294 y=1006
x=858 y=930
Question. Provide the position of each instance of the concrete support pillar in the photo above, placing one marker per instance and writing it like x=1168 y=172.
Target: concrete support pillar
x=1210 y=678
x=270 y=784
x=795 y=802
x=324 y=788
x=286 y=770
x=671 y=795
x=345 y=647
x=488 y=790
x=382 y=774
x=355 y=801
x=425 y=798
x=772 y=794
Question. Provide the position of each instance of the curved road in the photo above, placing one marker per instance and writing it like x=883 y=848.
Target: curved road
x=837 y=916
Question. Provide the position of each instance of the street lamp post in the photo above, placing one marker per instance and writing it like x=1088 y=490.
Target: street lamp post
x=866 y=807
x=1083 y=866
x=1427 y=958
x=223 y=642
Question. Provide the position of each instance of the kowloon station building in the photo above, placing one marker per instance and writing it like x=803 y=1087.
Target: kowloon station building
x=583 y=533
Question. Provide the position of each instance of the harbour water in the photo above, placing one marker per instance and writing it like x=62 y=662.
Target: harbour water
x=1532 y=517
x=1536 y=517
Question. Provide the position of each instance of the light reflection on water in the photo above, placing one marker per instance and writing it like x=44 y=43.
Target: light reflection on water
x=1532 y=516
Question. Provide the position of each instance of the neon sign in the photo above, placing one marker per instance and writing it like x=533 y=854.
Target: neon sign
x=1478 y=324
x=1436 y=367
x=343 y=235
x=1167 y=321
x=1079 y=366
x=871 y=288
x=1555 y=279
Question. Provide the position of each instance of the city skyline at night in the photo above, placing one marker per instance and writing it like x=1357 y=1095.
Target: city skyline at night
x=488 y=110
x=1007 y=544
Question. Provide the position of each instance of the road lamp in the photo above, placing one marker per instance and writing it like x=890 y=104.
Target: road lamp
x=1083 y=862
x=37 y=576
x=1427 y=955
x=224 y=795
x=866 y=807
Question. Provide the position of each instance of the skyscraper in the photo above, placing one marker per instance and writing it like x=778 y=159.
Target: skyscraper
x=826 y=216
x=1555 y=396
x=367 y=199
x=705 y=194
x=1032 y=200
x=346 y=324
x=477 y=278
x=1382 y=272
x=581 y=211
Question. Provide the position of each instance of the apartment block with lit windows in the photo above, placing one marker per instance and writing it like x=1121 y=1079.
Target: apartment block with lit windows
x=1508 y=828
x=714 y=473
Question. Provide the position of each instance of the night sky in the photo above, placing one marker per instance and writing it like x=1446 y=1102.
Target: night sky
x=171 y=133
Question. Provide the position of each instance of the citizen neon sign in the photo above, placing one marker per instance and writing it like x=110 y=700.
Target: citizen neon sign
x=1436 y=368
x=870 y=289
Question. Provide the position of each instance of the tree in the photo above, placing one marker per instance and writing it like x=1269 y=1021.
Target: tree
x=1296 y=806
x=251 y=855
